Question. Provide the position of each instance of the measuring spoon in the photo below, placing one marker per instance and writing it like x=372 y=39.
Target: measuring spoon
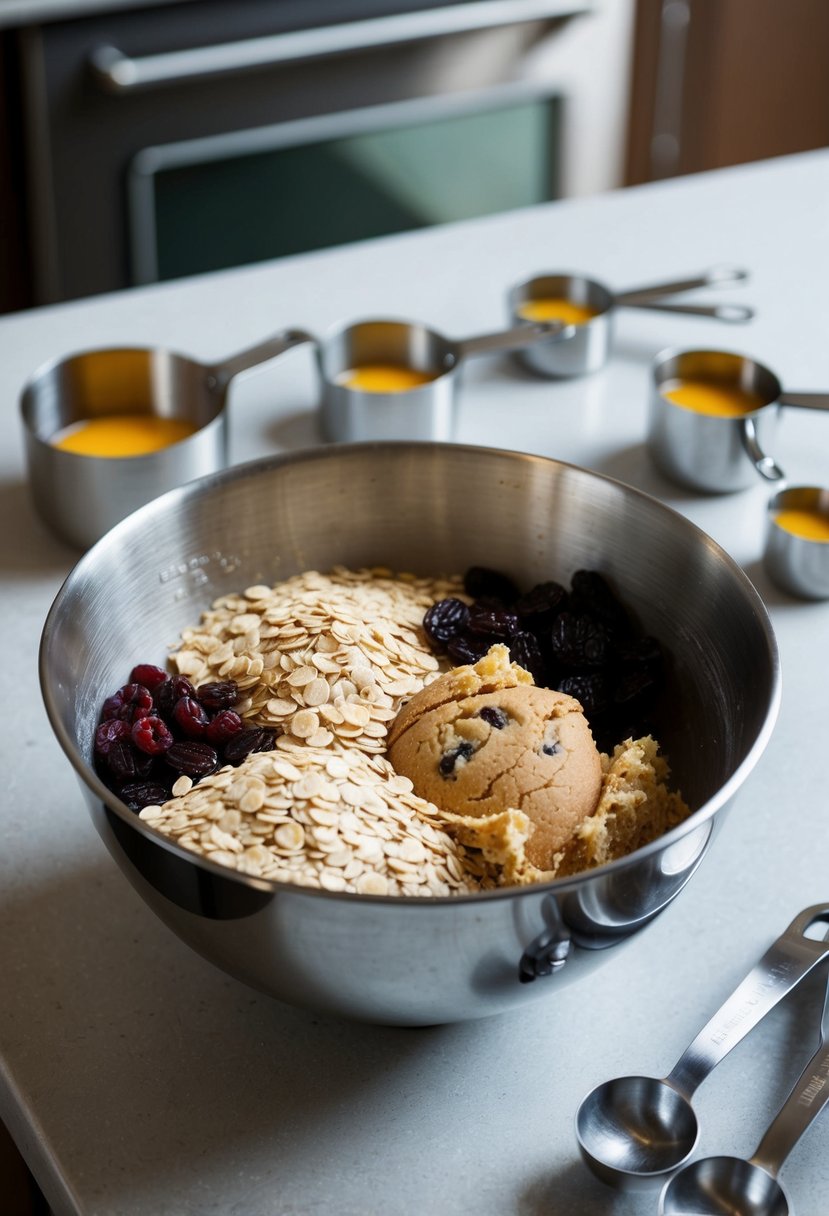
x=731 y=1186
x=588 y=347
x=632 y=1131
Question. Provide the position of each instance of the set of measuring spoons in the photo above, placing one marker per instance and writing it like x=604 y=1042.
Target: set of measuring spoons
x=640 y=1132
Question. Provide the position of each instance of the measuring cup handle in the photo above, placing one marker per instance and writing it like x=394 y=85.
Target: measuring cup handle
x=734 y=314
x=781 y=969
x=262 y=352
x=806 y=401
x=714 y=277
x=765 y=465
x=513 y=339
x=803 y=1105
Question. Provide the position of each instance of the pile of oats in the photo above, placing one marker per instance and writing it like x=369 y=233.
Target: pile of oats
x=323 y=657
x=334 y=817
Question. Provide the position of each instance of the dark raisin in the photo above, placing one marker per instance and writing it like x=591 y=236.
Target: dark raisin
x=579 y=641
x=593 y=690
x=480 y=581
x=219 y=695
x=467 y=649
x=268 y=740
x=139 y=794
x=635 y=686
x=247 y=741
x=449 y=759
x=125 y=763
x=171 y=691
x=525 y=650
x=592 y=595
x=224 y=726
x=644 y=652
x=191 y=758
x=540 y=606
x=498 y=624
x=149 y=675
x=494 y=716
x=189 y=716
x=445 y=620
x=151 y=735
x=113 y=730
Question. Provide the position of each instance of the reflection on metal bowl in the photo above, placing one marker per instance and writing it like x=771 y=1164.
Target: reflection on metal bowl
x=429 y=508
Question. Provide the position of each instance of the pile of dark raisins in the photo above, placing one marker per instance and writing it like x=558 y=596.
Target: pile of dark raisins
x=581 y=642
x=158 y=727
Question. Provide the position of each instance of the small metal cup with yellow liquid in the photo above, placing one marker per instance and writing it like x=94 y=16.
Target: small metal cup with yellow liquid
x=713 y=416
x=589 y=306
x=797 y=541
x=389 y=379
x=108 y=430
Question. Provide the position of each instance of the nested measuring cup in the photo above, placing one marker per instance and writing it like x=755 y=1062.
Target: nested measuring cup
x=796 y=554
x=633 y=1131
x=718 y=452
x=588 y=347
x=732 y=1186
x=81 y=496
x=408 y=353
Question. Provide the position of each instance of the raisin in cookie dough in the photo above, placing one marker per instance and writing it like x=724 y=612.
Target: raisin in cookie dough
x=484 y=739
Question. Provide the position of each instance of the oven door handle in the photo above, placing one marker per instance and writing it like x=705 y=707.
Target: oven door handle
x=116 y=72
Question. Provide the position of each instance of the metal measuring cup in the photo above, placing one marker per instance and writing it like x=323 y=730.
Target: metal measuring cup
x=588 y=347
x=711 y=453
x=797 y=563
x=634 y=1130
x=716 y=1185
x=81 y=497
x=428 y=411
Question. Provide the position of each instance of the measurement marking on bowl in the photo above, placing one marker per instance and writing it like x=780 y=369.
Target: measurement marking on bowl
x=227 y=563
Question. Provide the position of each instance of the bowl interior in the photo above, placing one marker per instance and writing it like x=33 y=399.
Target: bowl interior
x=428 y=508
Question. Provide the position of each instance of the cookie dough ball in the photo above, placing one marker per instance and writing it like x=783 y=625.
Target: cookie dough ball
x=484 y=739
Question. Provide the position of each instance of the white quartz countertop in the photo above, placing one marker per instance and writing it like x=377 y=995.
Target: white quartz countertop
x=140 y=1081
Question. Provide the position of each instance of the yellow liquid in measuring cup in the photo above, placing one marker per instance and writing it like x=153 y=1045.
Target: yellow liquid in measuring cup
x=556 y=308
x=810 y=525
x=709 y=397
x=122 y=435
x=384 y=378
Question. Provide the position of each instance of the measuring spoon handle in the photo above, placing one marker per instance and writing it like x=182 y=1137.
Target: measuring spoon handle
x=513 y=339
x=735 y=314
x=715 y=277
x=781 y=969
x=262 y=352
x=806 y=401
x=803 y=1105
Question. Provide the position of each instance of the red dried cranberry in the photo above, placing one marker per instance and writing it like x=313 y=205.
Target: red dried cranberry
x=445 y=620
x=479 y=581
x=127 y=764
x=191 y=758
x=247 y=741
x=219 y=695
x=148 y=675
x=190 y=717
x=224 y=726
x=113 y=708
x=138 y=702
x=151 y=735
x=139 y=794
x=170 y=692
x=113 y=730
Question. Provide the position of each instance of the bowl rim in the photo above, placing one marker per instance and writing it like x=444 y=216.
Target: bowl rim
x=264 y=465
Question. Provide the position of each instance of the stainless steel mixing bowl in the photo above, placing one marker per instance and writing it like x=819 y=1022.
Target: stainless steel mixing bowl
x=427 y=508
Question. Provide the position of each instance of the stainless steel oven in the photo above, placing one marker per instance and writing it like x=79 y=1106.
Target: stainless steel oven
x=197 y=135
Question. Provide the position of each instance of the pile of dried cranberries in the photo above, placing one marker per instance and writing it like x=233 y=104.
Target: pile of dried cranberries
x=157 y=728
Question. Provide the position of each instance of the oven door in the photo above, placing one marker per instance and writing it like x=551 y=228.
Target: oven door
x=246 y=196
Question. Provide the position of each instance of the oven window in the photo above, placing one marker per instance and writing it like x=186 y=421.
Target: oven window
x=211 y=204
